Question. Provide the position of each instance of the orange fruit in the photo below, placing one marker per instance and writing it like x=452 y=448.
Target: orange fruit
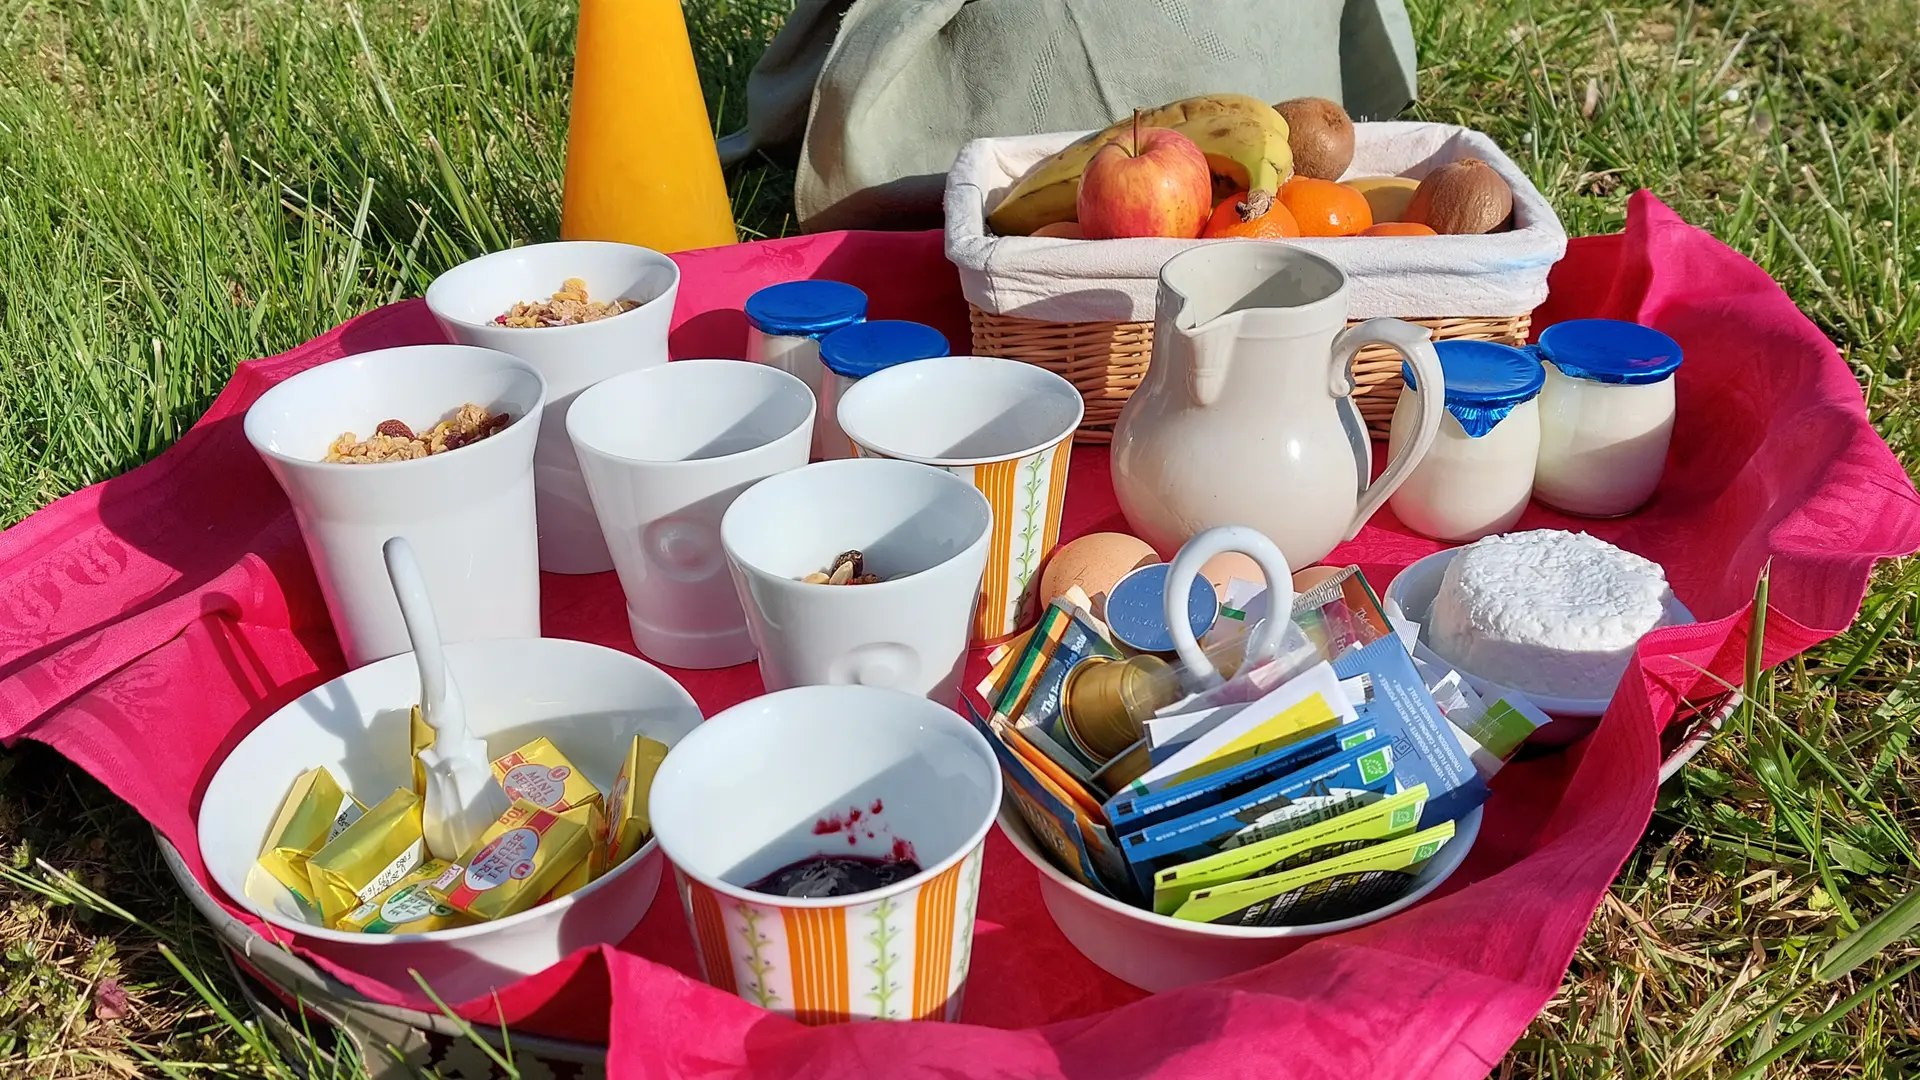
x=1277 y=223
x=1398 y=228
x=1324 y=208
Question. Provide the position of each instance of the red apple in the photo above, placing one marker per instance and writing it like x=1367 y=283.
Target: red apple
x=1150 y=182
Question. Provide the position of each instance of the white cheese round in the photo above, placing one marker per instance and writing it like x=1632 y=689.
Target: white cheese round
x=1547 y=612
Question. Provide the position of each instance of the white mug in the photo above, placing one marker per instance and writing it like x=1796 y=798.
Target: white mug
x=466 y=299
x=1004 y=426
x=664 y=452
x=468 y=512
x=831 y=770
x=923 y=530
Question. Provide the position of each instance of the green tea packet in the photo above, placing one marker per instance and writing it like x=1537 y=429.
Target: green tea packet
x=1351 y=831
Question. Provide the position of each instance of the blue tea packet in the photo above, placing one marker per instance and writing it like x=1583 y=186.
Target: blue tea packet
x=1425 y=748
x=1128 y=812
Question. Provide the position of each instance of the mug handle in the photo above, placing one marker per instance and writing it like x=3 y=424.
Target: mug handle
x=1415 y=343
x=1186 y=566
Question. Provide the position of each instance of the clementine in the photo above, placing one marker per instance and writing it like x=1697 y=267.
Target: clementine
x=1324 y=208
x=1399 y=228
x=1277 y=223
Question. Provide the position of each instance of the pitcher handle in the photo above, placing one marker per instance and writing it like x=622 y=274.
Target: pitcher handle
x=1186 y=566
x=1416 y=345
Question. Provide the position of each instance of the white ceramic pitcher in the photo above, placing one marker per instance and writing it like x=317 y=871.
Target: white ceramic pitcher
x=1245 y=418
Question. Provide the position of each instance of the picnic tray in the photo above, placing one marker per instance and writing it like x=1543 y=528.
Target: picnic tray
x=148 y=623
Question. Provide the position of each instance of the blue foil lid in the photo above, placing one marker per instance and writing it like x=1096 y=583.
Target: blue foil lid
x=805 y=308
x=1609 y=351
x=1485 y=381
x=1136 y=609
x=861 y=349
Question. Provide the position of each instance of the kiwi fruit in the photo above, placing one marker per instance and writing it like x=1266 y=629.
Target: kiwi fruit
x=1465 y=196
x=1320 y=134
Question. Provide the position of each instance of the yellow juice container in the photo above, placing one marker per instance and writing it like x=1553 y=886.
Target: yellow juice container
x=641 y=163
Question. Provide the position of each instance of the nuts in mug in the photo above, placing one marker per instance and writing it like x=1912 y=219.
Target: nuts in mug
x=393 y=440
x=848 y=568
x=568 y=307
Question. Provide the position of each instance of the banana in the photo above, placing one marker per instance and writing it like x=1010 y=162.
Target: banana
x=1244 y=139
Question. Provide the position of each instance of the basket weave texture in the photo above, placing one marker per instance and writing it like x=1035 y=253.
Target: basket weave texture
x=1105 y=361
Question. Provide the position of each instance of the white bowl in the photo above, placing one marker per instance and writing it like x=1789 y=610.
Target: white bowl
x=589 y=700
x=1157 y=952
x=466 y=299
x=1410 y=596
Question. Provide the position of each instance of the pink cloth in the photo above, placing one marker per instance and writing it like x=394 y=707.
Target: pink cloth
x=147 y=623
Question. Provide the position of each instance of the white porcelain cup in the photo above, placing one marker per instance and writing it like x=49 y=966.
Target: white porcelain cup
x=664 y=452
x=469 y=513
x=1004 y=426
x=831 y=770
x=466 y=299
x=923 y=529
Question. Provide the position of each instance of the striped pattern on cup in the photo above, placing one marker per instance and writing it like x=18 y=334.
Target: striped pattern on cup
x=902 y=957
x=1028 y=495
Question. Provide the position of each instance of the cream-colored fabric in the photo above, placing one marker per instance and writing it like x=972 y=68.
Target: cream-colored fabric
x=1499 y=274
x=874 y=98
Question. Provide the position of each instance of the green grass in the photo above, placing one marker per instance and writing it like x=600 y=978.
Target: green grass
x=184 y=186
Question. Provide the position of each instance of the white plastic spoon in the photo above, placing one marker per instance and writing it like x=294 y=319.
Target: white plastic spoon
x=462 y=796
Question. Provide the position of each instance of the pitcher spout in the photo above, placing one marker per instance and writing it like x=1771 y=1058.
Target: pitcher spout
x=1210 y=351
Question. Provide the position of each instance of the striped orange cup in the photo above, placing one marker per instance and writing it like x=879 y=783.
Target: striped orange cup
x=1004 y=426
x=835 y=771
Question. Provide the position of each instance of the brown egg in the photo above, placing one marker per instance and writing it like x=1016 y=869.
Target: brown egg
x=1313 y=575
x=1228 y=565
x=1095 y=562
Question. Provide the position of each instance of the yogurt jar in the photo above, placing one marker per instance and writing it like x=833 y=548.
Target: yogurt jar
x=785 y=323
x=852 y=353
x=1477 y=477
x=1606 y=415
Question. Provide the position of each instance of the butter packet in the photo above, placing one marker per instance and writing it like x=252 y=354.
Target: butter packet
x=315 y=810
x=407 y=908
x=627 y=823
x=368 y=857
x=590 y=868
x=539 y=773
x=420 y=735
x=517 y=860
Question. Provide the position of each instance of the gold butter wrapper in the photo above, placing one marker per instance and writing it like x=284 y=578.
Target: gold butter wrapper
x=627 y=823
x=420 y=736
x=409 y=907
x=539 y=773
x=517 y=860
x=316 y=809
x=368 y=858
x=591 y=867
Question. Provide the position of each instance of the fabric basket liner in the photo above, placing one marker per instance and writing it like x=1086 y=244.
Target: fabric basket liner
x=1071 y=281
x=148 y=623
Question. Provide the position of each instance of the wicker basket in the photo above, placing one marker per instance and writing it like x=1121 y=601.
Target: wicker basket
x=1106 y=360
